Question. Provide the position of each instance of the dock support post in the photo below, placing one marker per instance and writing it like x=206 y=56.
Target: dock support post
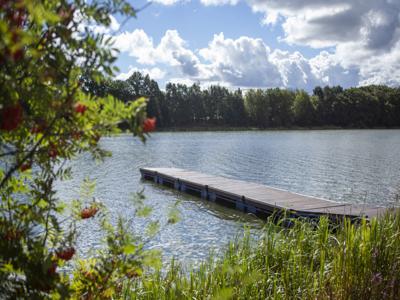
x=183 y=187
x=204 y=192
x=177 y=184
x=156 y=177
x=251 y=209
x=240 y=204
x=212 y=196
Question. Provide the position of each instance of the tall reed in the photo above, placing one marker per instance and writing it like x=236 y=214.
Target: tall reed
x=307 y=261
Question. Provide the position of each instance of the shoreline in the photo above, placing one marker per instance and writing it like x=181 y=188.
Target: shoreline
x=222 y=128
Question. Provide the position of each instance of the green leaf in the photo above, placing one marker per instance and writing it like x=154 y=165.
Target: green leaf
x=42 y=204
x=144 y=211
x=152 y=228
x=129 y=249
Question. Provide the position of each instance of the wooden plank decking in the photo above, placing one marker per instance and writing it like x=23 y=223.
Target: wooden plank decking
x=255 y=198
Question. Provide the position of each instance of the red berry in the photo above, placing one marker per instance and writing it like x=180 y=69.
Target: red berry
x=149 y=125
x=80 y=108
x=66 y=254
x=11 y=117
x=25 y=167
x=88 y=212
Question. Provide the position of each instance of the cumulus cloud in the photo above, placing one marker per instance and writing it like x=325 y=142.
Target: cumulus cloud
x=248 y=62
x=154 y=73
x=171 y=50
x=244 y=62
x=219 y=2
x=327 y=68
x=168 y=2
x=383 y=69
x=241 y=62
x=137 y=44
x=114 y=26
x=364 y=36
x=372 y=24
x=84 y=23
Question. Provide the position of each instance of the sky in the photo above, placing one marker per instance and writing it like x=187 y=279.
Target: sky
x=296 y=44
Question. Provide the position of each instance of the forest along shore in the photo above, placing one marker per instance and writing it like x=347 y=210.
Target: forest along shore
x=183 y=106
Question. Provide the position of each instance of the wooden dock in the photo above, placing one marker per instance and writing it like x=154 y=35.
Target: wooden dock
x=255 y=198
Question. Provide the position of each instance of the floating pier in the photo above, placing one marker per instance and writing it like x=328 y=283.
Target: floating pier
x=257 y=199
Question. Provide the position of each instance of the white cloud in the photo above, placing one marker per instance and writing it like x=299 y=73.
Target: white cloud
x=219 y=2
x=113 y=27
x=241 y=62
x=167 y=2
x=171 y=50
x=383 y=69
x=327 y=68
x=294 y=69
x=154 y=73
x=244 y=62
x=84 y=23
x=364 y=37
x=137 y=44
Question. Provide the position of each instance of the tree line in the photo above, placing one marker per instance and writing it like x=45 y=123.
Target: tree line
x=181 y=105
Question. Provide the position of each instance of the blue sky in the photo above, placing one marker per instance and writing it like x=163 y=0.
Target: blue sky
x=263 y=43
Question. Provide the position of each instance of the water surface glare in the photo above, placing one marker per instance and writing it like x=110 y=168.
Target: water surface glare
x=342 y=165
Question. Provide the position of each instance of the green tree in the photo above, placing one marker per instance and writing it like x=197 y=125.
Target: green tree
x=327 y=99
x=356 y=107
x=47 y=117
x=280 y=104
x=120 y=89
x=257 y=107
x=143 y=86
x=235 y=111
x=303 y=109
x=197 y=101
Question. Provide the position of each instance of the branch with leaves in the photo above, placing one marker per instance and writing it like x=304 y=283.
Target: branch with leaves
x=46 y=119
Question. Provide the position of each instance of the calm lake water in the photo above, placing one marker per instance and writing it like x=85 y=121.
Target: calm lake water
x=342 y=165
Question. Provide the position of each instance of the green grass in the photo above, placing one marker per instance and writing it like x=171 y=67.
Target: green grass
x=307 y=261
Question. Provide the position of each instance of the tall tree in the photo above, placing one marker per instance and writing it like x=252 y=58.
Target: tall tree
x=303 y=109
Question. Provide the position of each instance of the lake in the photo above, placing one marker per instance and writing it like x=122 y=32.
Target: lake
x=343 y=165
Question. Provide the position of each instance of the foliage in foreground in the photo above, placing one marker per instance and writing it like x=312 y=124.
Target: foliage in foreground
x=308 y=261
x=45 y=120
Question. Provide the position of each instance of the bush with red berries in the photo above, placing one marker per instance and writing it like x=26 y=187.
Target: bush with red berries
x=45 y=120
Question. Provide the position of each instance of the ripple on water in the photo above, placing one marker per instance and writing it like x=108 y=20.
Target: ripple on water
x=351 y=165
